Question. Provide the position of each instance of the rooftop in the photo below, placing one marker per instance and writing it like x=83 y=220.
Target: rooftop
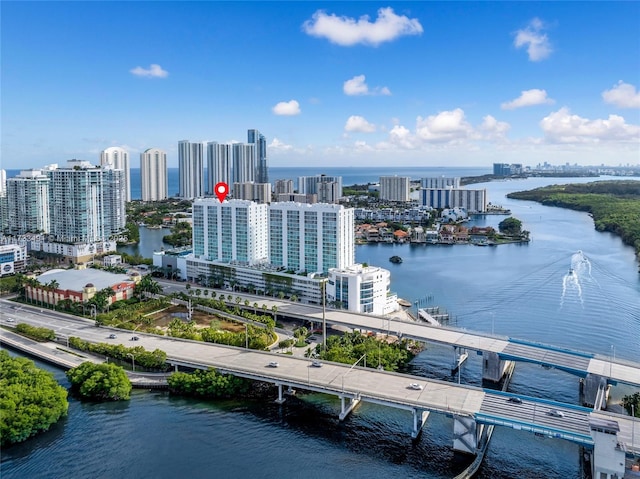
x=77 y=279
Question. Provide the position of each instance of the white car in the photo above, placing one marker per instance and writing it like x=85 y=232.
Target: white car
x=273 y=364
x=555 y=413
x=11 y=320
x=316 y=364
x=415 y=386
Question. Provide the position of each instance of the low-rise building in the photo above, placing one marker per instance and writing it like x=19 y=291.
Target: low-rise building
x=13 y=258
x=79 y=285
x=361 y=289
x=111 y=260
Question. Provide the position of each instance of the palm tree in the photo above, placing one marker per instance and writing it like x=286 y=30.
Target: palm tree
x=274 y=310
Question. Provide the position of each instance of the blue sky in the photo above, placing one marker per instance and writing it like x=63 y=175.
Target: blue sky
x=327 y=83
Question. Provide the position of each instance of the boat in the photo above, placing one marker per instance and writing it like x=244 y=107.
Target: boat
x=396 y=259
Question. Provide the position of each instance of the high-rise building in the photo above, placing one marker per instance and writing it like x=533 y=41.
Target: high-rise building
x=153 y=175
x=87 y=203
x=472 y=200
x=4 y=206
x=297 y=198
x=191 y=169
x=394 y=188
x=258 y=192
x=283 y=187
x=262 y=170
x=28 y=203
x=118 y=158
x=235 y=230
x=329 y=191
x=440 y=182
x=311 y=238
x=311 y=185
x=244 y=162
x=219 y=160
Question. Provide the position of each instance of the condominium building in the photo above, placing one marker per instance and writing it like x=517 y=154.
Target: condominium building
x=235 y=230
x=311 y=238
x=262 y=170
x=244 y=162
x=219 y=162
x=440 y=182
x=258 y=192
x=394 y=188
x=4 y=207
x=297 y=198
x=191 y=169
x=153 y=175
x=118 y=158
x=361 y=289
x=310 y=184
x=329 y=191
x=472 y=200
x=283 y=187
x=87 y=203
x=27 y=202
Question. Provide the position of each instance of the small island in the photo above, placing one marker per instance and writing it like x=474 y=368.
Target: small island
x=396 y=259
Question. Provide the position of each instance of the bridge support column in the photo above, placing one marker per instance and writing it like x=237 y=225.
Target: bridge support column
x=493 y=368
x=594 y=391
x=281 y=398
x=347 y=407
x=419 y=418
x=465 y=434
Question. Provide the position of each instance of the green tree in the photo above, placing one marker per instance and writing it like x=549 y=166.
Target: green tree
x=511 y=226
x=632 y=403
x=100 y=381
x=31 y=400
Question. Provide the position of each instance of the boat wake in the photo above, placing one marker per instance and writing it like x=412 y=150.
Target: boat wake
x=580 y=270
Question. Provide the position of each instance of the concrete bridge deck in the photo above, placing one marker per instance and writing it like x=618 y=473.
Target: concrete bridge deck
x=355 y=383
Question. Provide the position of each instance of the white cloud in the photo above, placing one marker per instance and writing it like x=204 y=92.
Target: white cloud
x=348 y=31
x=287 y=108
x=563 y=127
x=401 y=136
x=358 y=123
x=154 y=71
x=494 y=129
x=622 y=95
x=537 y=42
x=528 y=98
x=276 y=144
x=358 y=86
x=446 y=126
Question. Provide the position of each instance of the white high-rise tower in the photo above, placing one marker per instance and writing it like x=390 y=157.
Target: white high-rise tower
x=153 y=175
x=118 y=158
x=219 y=156
x=191 y=168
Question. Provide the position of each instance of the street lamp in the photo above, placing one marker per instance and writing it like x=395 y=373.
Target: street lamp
x=133 y=362
x=246 y=335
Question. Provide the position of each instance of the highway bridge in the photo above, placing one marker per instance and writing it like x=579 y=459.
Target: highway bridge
x=471 y=408
x=583 y=364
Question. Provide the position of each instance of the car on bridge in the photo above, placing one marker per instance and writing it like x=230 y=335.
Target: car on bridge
x=134 y=338
x=515 y=400
x=273 y=364
x=112 y=336
x=415 y=386
x=555 y=413
x=316 y=364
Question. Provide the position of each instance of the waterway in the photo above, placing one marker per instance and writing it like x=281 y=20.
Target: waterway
x=514 y=290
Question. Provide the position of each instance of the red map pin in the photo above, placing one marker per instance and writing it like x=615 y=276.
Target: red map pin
x=221 y=190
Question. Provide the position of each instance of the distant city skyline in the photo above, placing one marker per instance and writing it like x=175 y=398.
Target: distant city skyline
x=362 y=84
